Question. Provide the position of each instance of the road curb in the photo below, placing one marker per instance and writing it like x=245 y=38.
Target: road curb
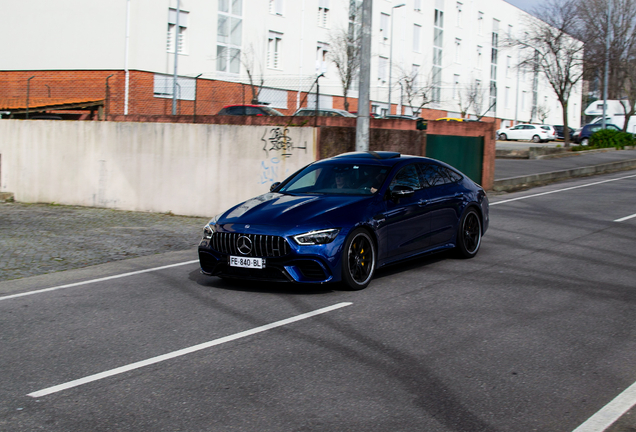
x=516 y=183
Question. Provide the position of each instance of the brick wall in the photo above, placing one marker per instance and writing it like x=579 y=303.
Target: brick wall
x=211 y=95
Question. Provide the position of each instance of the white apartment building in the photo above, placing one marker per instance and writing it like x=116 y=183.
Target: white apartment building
x=449 y=48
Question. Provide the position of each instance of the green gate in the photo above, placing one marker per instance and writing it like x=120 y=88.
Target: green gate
x=464 y=153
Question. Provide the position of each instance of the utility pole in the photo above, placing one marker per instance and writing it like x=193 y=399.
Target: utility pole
x=28 y=91
x=176 y=58
x=362 y=124
x=607 y=48
x=391 y=51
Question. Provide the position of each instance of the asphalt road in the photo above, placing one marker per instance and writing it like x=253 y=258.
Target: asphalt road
x=534 y=334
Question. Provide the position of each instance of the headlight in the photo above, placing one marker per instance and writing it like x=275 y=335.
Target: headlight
x=317 y=237
x=207 y=232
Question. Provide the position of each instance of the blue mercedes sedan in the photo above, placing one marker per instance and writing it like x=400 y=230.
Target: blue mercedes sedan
x=342 y=218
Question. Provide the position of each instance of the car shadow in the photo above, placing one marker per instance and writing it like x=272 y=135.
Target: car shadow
x=312 y=289
x=413 y=263
x=261 y=286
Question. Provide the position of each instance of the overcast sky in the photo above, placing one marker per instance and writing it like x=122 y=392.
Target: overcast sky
x=526 y=5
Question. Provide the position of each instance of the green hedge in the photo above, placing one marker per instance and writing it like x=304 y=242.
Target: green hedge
x=608 y=138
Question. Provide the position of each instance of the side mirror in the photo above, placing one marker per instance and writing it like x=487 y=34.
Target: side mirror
x=274 y=186
x=401 y=192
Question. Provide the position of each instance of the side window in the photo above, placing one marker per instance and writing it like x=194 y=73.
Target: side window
x=235 y=110
x=407 y=176
x=435 y=175
x=448 y=175
x=428 y=175
x=253 y=111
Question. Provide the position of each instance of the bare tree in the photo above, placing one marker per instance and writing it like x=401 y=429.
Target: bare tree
x=629 y=92
x=622 y=30
x=254 y=70
x=548 y=47
x=464 y=101
x=344 y=50
x=543 y=112
x=477 y=97
x=418 y=94
x=345 y=54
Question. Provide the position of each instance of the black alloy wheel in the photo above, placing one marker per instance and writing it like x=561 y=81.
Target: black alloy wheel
x=358 y=260
x=469 y=234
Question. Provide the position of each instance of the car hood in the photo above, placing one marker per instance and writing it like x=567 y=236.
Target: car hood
x=289 y=210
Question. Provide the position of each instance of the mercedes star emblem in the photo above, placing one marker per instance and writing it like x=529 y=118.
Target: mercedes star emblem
x=244 y=245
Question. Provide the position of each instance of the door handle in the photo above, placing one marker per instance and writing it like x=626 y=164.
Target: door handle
x=422 y=202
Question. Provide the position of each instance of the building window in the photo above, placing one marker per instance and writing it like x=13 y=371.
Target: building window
x=438 y=41
x=164 y=85
x=383 y=67
x=384 y=25
x=229 y=36
x=507 y=97
x=493 y=64
x=274 y=47
x=508 y=66
x=415 y=76
x=180 y=35
x=322 y=54
x=455 y=86
x=276 y=7
x=417 y=36
x=323 y=13
x=458 y=50
x=480 y=23
x=417 y=5
x=480 y=56
x=459 y=14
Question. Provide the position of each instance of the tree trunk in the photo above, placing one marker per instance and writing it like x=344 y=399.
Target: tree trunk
x=566 y=129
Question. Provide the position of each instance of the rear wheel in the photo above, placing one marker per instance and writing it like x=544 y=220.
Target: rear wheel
x=469 y=234
x=536 y=139
x=358 y=260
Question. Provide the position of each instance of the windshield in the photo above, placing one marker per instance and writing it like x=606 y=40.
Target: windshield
x=337 y=179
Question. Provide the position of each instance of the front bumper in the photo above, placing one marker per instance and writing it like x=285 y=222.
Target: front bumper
x=293 y=267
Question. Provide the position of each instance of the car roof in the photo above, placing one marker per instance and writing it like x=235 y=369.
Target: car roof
x=386 y=158
x=246 y=105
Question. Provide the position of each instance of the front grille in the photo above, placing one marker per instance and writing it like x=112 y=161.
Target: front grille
x=261 y=245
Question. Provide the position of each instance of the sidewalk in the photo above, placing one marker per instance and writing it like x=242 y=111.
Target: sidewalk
x=515 y=174
x=38 y=239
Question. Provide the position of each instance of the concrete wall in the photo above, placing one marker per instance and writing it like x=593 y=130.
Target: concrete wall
x=185 y=169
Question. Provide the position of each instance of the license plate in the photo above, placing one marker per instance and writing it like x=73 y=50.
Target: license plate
x=244 y=262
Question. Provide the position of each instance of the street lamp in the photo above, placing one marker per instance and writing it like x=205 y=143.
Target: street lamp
x=391 y=52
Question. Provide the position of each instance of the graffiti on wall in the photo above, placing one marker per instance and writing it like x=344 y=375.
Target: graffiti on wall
x=278 y=140
x=277 y=145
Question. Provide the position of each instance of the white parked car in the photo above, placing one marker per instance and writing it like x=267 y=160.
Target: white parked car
x=534 y=133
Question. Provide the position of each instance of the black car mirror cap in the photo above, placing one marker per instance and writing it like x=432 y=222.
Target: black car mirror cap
x=401 y=192
x=274 y=186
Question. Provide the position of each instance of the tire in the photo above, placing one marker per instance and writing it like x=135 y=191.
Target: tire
x=502 y=137
x=536 y=139
x=469 y=233
x=585 y=141
x=358 y=260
